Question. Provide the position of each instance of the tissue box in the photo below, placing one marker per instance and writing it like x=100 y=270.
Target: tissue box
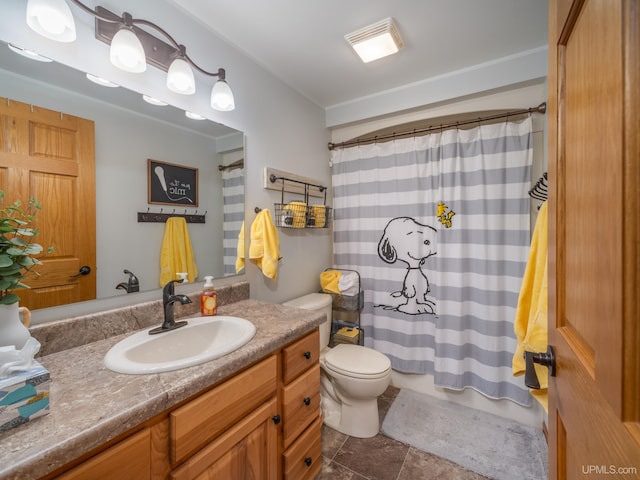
x=24 y=396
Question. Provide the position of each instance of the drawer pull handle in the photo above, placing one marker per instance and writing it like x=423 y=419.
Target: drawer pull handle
x=307 y=401
x=308 y=461
x=276 y=419
x=307 y=355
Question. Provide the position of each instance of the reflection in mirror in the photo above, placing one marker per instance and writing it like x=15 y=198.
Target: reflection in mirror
x=129 y=132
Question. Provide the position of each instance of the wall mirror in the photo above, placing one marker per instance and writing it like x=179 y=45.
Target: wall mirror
x=128 y=133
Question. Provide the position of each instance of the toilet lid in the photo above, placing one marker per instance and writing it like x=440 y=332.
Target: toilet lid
x=357 y=361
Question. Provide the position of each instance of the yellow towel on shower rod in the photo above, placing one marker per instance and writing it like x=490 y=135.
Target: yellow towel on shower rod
x=531 y=314
x=264 y=246
x=176 y=254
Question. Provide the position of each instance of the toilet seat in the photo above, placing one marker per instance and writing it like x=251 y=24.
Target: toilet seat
x=357 y=361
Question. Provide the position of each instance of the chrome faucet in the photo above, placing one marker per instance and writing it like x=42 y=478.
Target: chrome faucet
x=168 y=299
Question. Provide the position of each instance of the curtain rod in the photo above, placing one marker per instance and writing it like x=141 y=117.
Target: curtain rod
x=542 y=108
x=232 y=166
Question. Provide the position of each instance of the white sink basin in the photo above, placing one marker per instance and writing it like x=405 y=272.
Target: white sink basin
x=203 y=339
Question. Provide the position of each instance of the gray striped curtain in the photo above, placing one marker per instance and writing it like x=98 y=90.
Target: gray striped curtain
x=438 y=227
x=233 y=216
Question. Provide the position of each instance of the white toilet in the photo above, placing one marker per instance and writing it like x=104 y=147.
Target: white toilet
x=352 y=377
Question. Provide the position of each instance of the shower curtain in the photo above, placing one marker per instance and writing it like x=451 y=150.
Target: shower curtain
x=438 y=227
x=233 y=216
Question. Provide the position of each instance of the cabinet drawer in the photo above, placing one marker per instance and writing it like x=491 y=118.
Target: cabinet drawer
x=131 y=458
x=303 y=460
x=199 y=421
x=301 y=355
x=301 y=404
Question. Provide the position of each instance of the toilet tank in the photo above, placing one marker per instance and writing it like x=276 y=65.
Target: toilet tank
x=320 y=302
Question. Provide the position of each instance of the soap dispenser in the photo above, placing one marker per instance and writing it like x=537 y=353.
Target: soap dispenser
x=208 y=299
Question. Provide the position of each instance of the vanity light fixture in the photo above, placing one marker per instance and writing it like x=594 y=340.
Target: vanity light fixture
x=51 y=19
x=127 y=52
x=31 y=55
x=132 y=48
x=221 y=95
x=180 y=75
x=376 y=41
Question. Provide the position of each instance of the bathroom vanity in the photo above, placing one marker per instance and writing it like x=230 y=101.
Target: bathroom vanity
x=254 y=412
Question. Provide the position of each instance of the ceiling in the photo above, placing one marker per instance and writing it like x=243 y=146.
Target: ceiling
x=302 y=42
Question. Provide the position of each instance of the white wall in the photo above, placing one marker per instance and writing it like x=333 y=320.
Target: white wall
x=283 y=129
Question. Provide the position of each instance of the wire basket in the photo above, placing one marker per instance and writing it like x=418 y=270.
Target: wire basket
x=301 y=215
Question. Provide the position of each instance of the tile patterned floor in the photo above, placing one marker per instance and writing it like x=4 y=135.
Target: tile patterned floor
x=383 y=458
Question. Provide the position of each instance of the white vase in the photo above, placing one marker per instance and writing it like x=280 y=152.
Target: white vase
x=12 y=329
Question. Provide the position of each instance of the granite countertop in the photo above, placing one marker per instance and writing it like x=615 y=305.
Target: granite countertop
x=91 y=405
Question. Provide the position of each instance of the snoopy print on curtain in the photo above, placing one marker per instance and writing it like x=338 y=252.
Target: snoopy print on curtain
x=408 y=241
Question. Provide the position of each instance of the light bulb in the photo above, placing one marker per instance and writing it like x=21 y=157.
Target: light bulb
x=222 y=97
x=52 y=19
x=180 y=77
x=127 y=52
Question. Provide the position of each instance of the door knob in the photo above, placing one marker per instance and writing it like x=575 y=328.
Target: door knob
x=547 y=359
x=84 y=270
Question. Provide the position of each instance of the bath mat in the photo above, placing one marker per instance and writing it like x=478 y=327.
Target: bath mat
x=498 y=448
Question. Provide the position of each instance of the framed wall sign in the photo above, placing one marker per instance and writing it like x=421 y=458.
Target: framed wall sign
x=171 y=184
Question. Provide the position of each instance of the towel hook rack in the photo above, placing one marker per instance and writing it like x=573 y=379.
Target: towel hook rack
x=151 y=217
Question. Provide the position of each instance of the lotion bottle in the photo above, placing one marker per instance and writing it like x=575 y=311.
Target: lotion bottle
x=208 y=299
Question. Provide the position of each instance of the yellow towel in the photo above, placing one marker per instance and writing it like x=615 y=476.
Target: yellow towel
x=320 y=214
x=299 y=212
x=240 y=250
x=176 y=254
x=264 y=248
x=330 y=280
x=531 y=314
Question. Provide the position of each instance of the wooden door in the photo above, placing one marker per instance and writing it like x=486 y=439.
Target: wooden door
x=594 y=227
x=50 y=156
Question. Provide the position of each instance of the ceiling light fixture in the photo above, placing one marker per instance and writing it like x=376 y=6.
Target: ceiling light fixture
x=131 y=47
x=376 y=41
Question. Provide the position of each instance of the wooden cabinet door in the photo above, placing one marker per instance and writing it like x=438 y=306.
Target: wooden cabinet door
x=594 y=227
x=50 y=156
x=247 y=451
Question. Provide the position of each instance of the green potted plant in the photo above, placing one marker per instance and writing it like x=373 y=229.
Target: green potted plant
x=18 y=256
